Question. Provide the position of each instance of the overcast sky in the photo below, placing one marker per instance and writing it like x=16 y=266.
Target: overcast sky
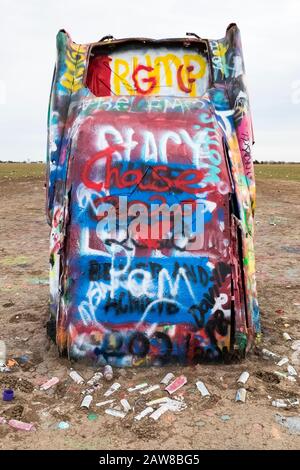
x=270 y=35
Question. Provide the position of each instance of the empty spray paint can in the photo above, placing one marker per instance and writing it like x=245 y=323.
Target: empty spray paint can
x=167 y=378
x=241 y=395
x=202 y=389
x=291 y=370
x=160 y=411
x=108 y=372
x=14 y=423
x=149 y=389
x=270 y=354
x=86 y=402
x=158 y=401
x=76 y=377
x=243 y=378
x=176 y=384
x=126 y=405
x=106 y=402
x=50 y=383
x=95 y=380
x=144 y=413
x=287 y=336
x=280 y=403
x=112 y=389
x=116 y=413
x=283 y=361
x=2 y=354
x=137 y=387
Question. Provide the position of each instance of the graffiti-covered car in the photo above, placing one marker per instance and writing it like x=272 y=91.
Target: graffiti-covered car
x=151 y=198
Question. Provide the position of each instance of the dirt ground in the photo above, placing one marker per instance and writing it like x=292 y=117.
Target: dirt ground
x=215 y=423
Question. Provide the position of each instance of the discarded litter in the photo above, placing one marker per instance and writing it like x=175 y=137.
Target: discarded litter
x=14 y=423
x=167 y=378
x=165 y=405
x=243 y=378
x=284 y=375
x=279 y=403
x=295 y=358
x=241 y=395
x=92 y=416
x=2 y=420
x=8 y=394
x=89 y=391
x=202 y=389
x=116 y=413
x=76 y=377
x=108 y=373
x=159 y=412
x=295 y=345
x=286 y=336
x=288 y=403
x=2 y=353
x=283 y=361
x=115 y=386
x=50 y=383
x=126 y=405
x=11 y=363
x=225 y=417
x=95 y=380
x=86 y=402
x=158 y=401
x=281 y=374
x=292 y=423
x=137 y=387
x=117 y=407
x=144 y=413
x=103 y=403
x=291 y=370
x=176 y=405
x=176 y=384
x=269 y=354
x=63 y=425
x=149 y=389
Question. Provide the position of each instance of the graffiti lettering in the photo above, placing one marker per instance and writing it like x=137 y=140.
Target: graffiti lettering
x=158 y=179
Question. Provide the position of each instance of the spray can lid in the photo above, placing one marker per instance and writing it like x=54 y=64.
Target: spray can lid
x=8 y=394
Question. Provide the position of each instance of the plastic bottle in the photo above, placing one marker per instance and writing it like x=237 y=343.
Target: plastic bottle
x=2 y=354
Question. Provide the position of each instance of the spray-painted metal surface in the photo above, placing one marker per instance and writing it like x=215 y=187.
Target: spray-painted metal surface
x=139 y=121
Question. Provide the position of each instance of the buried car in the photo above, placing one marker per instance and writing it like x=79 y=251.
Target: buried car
x=150 y=198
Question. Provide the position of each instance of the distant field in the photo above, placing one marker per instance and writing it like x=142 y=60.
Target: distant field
x=19 y=171
x=287 y=172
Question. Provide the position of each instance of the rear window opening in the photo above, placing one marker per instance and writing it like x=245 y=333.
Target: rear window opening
x=178 y=67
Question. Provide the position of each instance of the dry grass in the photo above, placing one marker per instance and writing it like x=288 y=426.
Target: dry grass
x=21 y=171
